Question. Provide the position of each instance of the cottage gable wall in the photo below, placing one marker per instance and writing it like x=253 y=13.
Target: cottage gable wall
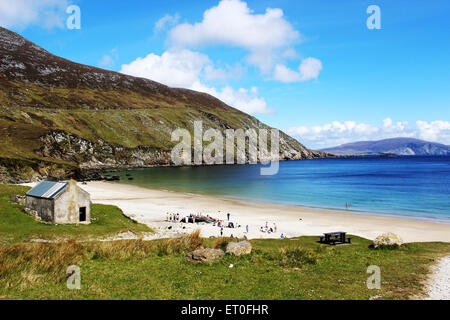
x=68 y=204
x=44 y=207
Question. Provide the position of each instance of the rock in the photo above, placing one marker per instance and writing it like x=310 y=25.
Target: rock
x=33 y=213
x=205 y=255
x=388 y=239
x=18 y=199
x=238 y=248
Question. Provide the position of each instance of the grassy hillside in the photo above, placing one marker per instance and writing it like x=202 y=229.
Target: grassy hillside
x=58 y=117
x=276 y=269
x=298 y=268
x=128 y=128
x=16 y=225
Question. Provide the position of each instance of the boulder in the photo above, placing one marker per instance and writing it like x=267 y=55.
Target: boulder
x=18 y=199
x=388 y=239
x=238 y=248
x=205 y=255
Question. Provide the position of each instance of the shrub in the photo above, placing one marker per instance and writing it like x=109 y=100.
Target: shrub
x=387 y=241
x=38 y=262
x=296 y=257
x=121 y=250
x=221 y=243
x=181 y=245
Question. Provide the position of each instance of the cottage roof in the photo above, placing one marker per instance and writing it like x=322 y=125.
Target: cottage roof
x=47 y=189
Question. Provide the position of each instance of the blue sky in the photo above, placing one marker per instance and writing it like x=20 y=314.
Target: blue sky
x=311 y=68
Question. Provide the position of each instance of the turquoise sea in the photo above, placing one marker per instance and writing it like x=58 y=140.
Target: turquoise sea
x=416 y=187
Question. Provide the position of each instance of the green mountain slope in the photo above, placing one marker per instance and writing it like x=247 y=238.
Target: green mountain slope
x=59 y=118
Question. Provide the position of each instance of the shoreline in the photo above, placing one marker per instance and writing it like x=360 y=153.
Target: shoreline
x=303 y=207
x=150 y=206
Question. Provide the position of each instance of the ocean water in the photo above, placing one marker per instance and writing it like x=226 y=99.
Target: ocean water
x=415 y=187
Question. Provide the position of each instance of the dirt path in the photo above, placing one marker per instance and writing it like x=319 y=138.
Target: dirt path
x=439 y=283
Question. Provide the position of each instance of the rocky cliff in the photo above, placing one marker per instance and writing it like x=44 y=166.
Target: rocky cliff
x=59 y=118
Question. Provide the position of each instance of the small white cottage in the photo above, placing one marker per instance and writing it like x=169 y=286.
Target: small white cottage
x=60 y=202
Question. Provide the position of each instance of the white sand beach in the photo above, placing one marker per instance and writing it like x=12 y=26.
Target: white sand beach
x=151 y=206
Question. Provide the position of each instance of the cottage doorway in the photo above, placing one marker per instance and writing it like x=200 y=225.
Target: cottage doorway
x=83 y=214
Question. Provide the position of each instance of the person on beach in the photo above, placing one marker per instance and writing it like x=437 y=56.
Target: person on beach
x=282 y=236
x=228 y=216
x=221 y=232
x=246 y=228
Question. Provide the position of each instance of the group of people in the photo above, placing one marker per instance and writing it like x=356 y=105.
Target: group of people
x=227 y=224
x=192 y=218
x=267 y=229
x=173 y=217
x=198 y=218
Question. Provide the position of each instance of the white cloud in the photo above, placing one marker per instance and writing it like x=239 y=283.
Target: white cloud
x=22 y=13
x=173 y=68
x=211 y=73
x=434 y=131
x=268 y=38
x=242 y=99
x=290 y=54
x=286 y=75
x=387 y=122
x=232 y=23
x=166 y=21
x=186 y=68
x=336 y=133
x=106 y=61
x=109 y=60
x=309 y=69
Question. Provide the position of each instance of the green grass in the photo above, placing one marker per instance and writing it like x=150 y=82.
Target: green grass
x=16 y=225
x=22 y=128
x=294 y=269
x=140 y=270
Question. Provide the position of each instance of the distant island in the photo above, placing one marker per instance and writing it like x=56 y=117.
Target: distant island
x=395 y=146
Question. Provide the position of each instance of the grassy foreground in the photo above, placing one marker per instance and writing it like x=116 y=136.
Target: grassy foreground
x=276 y=269
x=16 y=226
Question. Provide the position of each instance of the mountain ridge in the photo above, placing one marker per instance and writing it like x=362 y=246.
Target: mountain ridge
x=60 y=118
x=397 y=146
x=23 y=60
